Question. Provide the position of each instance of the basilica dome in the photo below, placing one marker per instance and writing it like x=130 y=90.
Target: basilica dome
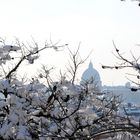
x=91 y=77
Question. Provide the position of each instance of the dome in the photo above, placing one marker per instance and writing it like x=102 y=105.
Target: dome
x=92 y=77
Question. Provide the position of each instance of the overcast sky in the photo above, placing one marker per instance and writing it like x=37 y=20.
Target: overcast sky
x=94 y=23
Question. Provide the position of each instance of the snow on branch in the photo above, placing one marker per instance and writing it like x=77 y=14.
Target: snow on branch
x=44 y=109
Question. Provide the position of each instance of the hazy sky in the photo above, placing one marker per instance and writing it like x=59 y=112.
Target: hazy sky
x=94 y=23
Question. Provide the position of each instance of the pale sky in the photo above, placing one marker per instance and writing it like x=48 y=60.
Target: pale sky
x=94 y=23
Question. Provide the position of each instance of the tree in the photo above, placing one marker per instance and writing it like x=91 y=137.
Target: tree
x=126 y=63
x=134 y=64
x=45 y=109
x=75 y=62
x=134 y=0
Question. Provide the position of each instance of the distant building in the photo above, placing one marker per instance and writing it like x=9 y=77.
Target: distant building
x=124 y=92
x=91 y=78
